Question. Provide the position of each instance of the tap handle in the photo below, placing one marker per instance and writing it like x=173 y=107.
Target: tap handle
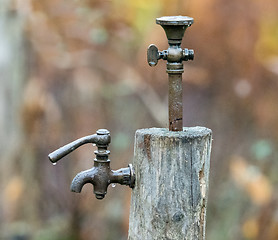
x=102 y=138
x=153 y=55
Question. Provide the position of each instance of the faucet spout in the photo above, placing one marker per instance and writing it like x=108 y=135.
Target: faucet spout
x=82 y=178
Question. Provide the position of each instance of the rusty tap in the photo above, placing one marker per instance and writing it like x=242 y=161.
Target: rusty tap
x=100 y=175
x=174 y=27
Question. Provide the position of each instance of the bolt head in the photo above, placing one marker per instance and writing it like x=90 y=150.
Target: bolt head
x=191 y=54
x=188 y=54
x=103 y=132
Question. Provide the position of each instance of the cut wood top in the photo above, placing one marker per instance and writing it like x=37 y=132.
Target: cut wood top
x=188 y=132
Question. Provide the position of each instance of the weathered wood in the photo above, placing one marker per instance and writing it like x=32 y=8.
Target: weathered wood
x=170 y=197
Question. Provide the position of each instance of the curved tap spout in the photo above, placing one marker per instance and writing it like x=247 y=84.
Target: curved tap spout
x=82 y=178
x=101 y=176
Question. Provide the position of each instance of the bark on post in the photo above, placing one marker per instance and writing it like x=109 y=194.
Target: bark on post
x=170 y=196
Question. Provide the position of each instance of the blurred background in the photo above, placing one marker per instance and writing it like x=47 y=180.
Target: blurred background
x=68 y=68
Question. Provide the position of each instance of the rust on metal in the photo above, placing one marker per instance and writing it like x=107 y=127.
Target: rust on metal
x=100 y=175
x=175 y=102
x=174 y=27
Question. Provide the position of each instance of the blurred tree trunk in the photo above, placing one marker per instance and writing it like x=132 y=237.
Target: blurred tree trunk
x=12 y=75
x=11 y=80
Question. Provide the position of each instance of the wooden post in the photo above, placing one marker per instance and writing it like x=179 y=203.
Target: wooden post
x=172 y=175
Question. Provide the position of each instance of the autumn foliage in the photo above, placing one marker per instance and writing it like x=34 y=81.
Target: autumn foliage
x=84 y=68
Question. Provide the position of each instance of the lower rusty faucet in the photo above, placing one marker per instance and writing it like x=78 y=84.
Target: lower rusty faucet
x=100 y=175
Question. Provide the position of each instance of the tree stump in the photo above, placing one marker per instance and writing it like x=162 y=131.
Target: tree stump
x=172 y=175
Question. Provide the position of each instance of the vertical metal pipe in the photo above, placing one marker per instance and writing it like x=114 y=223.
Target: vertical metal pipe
x=174 y=27
x=175 y=102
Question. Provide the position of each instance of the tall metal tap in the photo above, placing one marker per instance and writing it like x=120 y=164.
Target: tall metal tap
x=174 y=27
x=100 y=175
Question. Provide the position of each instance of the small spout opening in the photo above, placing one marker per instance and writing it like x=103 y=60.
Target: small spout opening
x=99 y=196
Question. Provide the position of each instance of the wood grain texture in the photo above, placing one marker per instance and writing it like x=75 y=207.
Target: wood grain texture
x=170 y=197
